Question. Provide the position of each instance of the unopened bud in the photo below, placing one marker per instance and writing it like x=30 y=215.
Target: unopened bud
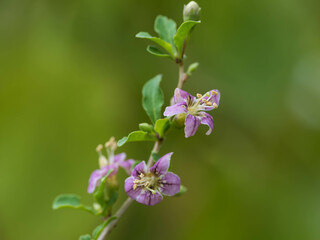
x=191 y=11
x=178 y=120
x=146 y=127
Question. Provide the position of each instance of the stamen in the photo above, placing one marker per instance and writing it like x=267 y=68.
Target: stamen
x=99 y=148
x=147 y=181
x=214 y=105
x=152 y=190
x=111 y=144
x=214 y=92
x=199 y=95
x=209 y=103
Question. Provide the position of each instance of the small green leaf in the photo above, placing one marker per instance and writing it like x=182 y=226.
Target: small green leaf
x=157 y=52
x=85 y=237
x=98 y=230
x=99 y=193
x=161 y=126
x=166 y=28
x=183 y=190
x=152 y=98
x=136 y=136
x=70 y=201
x=182 y=34
x=155 y=156
x=192 y=68
x=161 y=42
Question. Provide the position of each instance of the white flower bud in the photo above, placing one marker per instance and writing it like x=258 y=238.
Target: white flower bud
x=191 y=11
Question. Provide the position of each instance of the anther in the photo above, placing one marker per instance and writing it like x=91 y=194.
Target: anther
x=99 y=148
x=214 y=93
x=199 y=95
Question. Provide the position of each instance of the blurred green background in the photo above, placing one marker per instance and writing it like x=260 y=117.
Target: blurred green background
x=71 y=74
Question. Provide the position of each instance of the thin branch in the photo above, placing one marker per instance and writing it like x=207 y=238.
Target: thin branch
x=155 y=149
x=118 y=214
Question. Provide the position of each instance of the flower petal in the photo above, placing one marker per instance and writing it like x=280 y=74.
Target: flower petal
x=94 y=180
x=127 y=165
x=105 y=170
x=140 y=168
x=182 y=96
x=162 y=165
x=191 y=125
x=148 y=198
x=175 y=109
x=128 y=187
x=207 y=120
x=212 y=96
x=171 y=184
x=119 y=157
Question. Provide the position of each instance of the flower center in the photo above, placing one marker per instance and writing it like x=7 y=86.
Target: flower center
x=148 y=181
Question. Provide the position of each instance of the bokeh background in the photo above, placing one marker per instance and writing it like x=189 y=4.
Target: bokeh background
x=71 y=74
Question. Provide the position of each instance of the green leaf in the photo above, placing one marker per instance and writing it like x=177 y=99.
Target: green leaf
x=161 y=126
x=183 y=190
x=98 y=230
x=161 y=42
x=99 y=194
x=70 y=201
x=166 y=28
x=85 y=237
x=157 y=52
x=152 y=98
x=155 y=156
x=192 y=68
x=182 y=34
x=136 y=136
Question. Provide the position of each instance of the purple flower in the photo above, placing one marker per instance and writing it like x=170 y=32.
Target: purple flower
x=113 y=162
x=146 y=186
x=192 y=108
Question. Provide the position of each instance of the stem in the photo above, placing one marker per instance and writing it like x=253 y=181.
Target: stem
x=155 y=149
x=118 y=214
x=182 y=76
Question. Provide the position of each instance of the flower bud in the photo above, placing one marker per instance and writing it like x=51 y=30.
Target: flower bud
x=146 y=127
x=191 y=11
x=178 y=120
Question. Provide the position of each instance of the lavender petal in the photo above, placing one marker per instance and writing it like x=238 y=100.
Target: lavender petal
x=191 y=125
x=148 y=198
x=175 y=109
x=140 y=168
x=206 y=119
x=94 y=180
x=105 y=170
x=128 y=187
x=171 y=184
x=214 y=98
x=127 y=165
x=182 y=96
x=119 y=157
x=162 y=165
